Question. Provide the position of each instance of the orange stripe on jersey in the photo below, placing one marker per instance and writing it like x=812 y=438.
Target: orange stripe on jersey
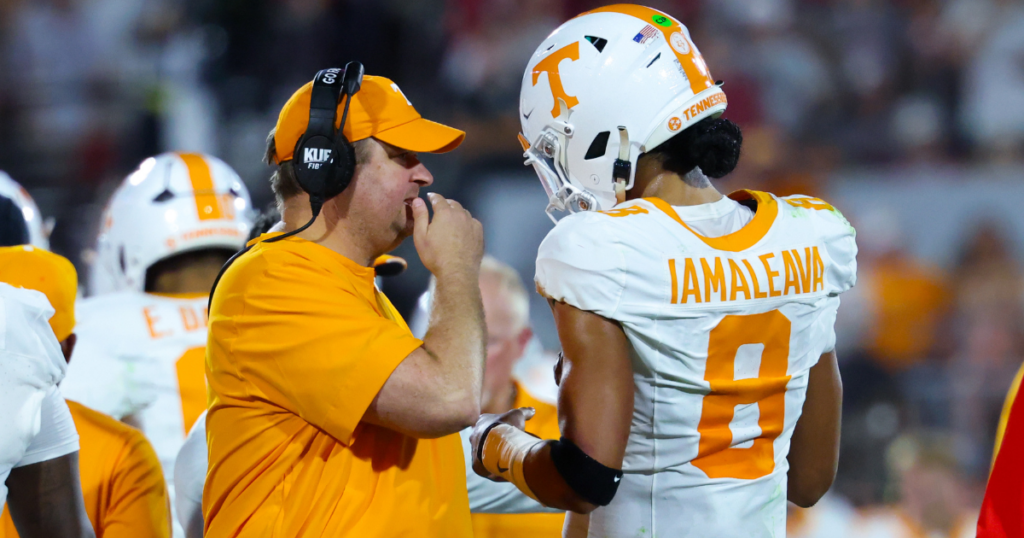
x=207 y=201
x=745 y=237
x=689 y=57
x=191 y=369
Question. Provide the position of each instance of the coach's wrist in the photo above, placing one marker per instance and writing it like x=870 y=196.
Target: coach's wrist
x=459 y=276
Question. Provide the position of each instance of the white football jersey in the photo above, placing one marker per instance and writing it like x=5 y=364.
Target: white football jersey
x=723 y=334
x=190 y=469
x=143 y=355
x=31 y=365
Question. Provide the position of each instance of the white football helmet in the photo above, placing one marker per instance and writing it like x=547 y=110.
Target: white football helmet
x=173 y=203
x=603 y=88
x=38 y=231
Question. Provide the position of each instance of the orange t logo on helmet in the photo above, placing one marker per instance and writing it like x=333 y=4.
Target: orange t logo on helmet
x=550 y=66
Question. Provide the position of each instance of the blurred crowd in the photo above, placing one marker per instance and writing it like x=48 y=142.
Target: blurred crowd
x=88 y=88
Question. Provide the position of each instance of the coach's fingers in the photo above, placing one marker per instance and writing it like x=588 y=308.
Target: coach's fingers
x=438 y=202
x=454 y=204
x=421 y=218
x=518 y=417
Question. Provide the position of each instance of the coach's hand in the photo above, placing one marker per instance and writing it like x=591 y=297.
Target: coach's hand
x=516 y=417
x=452 y=243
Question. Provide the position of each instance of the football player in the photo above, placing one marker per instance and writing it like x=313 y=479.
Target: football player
x=38 y=441
x=698 y=386
x=121 y=479
x=164 y=236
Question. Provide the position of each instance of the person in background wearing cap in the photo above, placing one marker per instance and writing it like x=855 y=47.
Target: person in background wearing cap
x=327 y=417
x=122 y=483
x=38 y=441
x=518 y=373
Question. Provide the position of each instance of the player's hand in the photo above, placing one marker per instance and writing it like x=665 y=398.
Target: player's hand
x=450 y=244
x=516 y=417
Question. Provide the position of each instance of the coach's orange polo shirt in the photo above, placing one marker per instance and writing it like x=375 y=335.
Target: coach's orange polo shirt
x=300 y=343
x=122 y=481
x=544 y=424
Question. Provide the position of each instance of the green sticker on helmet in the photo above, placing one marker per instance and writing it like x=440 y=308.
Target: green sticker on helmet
x=662 y=20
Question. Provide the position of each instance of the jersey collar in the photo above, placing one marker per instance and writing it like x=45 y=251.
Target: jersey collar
x=745 y=237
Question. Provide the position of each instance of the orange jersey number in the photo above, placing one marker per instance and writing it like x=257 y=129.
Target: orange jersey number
x=810 y=203
x=192 y=384
x=625 y=211
x=715 y=456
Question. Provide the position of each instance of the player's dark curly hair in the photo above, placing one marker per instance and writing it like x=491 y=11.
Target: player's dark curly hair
x=713 y=144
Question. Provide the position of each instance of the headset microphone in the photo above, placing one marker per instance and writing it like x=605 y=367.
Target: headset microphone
x=352 y=82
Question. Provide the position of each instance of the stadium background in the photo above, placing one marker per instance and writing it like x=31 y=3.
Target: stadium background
x=906 y=114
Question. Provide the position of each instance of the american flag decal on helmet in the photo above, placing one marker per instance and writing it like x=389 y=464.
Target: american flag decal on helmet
x=645 y=34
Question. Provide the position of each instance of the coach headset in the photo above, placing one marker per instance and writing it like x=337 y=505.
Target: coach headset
x=324 y=160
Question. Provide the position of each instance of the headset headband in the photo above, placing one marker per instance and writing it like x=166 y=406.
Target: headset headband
x=323 y=102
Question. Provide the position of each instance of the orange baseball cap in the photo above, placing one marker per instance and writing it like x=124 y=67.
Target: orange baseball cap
x=387 y=265
x=25 y=266
x=379 y=109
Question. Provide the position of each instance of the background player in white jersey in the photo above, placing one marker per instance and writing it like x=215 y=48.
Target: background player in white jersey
x=165 y=234
x=38 y=441
x=694 y=326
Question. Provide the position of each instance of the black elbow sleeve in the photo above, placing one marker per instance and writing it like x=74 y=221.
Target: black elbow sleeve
x=591 y=480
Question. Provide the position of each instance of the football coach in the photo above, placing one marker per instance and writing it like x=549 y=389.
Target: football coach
x=327 y=417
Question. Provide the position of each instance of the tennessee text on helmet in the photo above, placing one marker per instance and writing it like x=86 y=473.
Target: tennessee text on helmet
x=173 y=203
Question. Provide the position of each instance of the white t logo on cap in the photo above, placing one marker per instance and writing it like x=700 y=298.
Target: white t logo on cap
x=395 y=87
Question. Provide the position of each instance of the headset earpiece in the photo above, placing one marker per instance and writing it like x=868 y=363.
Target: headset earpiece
x=324 y=159
x=344 y=167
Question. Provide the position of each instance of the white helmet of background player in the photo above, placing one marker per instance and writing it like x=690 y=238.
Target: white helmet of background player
x=603 y=88
x=172 y=204
x=38 y=234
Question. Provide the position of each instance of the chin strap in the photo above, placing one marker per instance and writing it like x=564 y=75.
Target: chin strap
x=620 y=191
x=622 y=168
